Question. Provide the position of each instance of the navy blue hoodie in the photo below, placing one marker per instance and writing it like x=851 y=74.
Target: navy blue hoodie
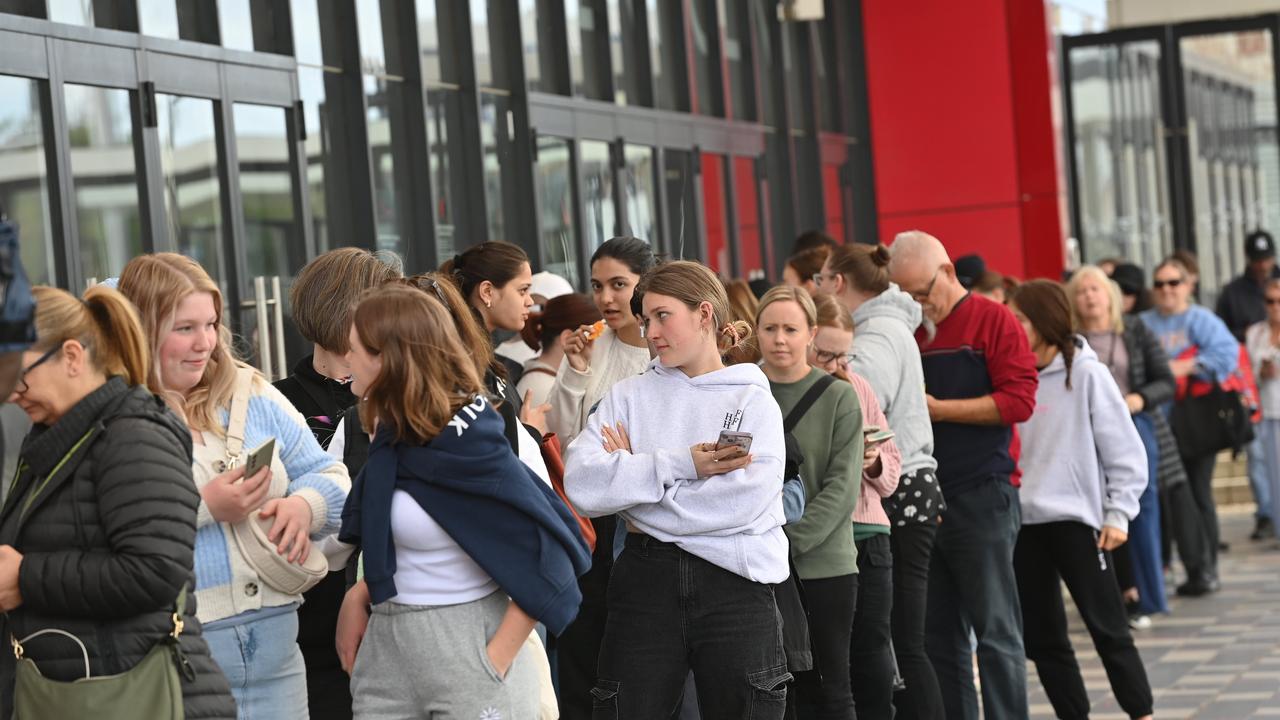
x=490 y=503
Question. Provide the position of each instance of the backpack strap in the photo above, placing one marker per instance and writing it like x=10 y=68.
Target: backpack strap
x=806 y=401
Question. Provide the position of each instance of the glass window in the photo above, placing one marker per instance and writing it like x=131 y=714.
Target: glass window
x=158 y=18
x=706 y=50
x=599 y=219
x=373 y=54
x=622 y=34
x=236 y=22
x=587 y=43
x=639 y=196
x=311 y=88
x=105 y=184
x=480 y=41
x=666 y=51
x=681 y=181
x=428 y=41
x=75 y=12
x=737 y=54
x=266 y=186
x=794 y=43
x=442 y=107
x=495 y=144
x=378 y=114
x=554 y=186
x=529 y=43
x=113 y=14
x=306 y=32
x=827 y=84
x=24 y=185
x=762 y=29
x=189 y=161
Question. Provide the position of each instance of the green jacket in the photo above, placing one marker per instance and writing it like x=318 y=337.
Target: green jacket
x=830 y=436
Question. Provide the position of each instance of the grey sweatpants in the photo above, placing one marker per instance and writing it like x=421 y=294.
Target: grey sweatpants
x=431 y=662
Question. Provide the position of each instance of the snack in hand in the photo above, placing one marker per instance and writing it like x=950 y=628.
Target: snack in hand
x=596 y=329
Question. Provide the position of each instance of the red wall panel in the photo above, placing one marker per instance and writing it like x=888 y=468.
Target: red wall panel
x=747 y=208
x=714 y=210
x=993 y=233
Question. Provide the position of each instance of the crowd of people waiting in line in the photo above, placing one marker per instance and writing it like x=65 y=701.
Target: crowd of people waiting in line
x=674 y=497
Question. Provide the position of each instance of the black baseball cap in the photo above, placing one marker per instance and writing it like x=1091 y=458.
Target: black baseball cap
x=1259 y=245
x=969 y=270
x=1130 y=278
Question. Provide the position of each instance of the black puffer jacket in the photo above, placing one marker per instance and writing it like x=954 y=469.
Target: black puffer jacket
x=107 y=539
x=1150 y=377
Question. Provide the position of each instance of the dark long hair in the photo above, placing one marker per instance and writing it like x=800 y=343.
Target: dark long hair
x=635 y=253
x=1045 y=304
x=495 y=261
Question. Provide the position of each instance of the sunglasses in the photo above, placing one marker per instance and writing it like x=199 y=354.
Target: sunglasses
x=1160 y=284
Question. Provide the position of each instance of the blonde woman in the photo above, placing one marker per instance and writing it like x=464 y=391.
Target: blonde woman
x=693 y=588
x=104 y=548
x=825 y=419
x=251 y=626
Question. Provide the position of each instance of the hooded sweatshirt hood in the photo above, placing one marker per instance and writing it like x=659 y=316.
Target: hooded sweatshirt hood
x=886 y=355
x=733 y=520
x=1082 y=459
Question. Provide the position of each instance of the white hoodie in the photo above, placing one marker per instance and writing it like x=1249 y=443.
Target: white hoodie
x=733 y=521
x=1082 y=459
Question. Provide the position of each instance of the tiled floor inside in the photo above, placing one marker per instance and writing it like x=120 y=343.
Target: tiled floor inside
x=1216 y=657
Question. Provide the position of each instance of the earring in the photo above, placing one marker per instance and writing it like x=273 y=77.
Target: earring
x=488 y=304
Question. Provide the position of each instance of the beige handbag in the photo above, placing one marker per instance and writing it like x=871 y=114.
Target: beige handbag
x=251 y=533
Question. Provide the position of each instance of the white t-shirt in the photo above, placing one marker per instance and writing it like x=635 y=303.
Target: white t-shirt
x=431 y=569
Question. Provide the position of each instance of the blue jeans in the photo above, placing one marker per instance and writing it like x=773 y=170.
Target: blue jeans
x=1259 y=474
x=1144 y=531
x=262 y=662
x=1269 y=438
x=972 y=586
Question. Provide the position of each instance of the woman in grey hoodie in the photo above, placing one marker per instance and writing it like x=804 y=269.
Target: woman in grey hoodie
x=1084 y=468
x=885 y=353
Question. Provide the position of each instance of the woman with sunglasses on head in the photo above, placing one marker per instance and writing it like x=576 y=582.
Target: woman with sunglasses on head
x=693 y=588
x=98 y=533
x=1084 y=468
x=464 y=551
x=829 y=435
x=887 y=357
x=246 y=580
x=1200 y=348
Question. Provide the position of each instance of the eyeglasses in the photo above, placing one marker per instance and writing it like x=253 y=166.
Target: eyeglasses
x=826 y=356
x=1161 y=284
x=922 y=296
x=22 y=377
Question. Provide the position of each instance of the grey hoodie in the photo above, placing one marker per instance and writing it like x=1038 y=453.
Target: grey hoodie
x=885 y=353
x=1082 y=459
x=733 y=521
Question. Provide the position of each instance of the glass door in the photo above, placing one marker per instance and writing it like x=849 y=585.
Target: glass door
x=553 y=186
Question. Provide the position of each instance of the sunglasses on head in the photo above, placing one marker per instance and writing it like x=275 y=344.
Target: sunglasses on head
x=1158 y=284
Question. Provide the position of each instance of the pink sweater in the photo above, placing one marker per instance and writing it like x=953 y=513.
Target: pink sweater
x=869 y=510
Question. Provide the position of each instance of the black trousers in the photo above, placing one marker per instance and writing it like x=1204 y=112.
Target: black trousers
x=1068 y=551
x=578 y=649
x=823 y=693
x=328 y=687
x=671 y=612
x=1200 y=477
x=1183 y=525
x=870 y=649
x=912 y=546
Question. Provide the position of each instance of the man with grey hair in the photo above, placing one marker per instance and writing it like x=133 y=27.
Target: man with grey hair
x=980 y=379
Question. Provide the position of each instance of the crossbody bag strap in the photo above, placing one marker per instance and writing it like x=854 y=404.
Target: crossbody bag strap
x=806 y=401
x=239 y=415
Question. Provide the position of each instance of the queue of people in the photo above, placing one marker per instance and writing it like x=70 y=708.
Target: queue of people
x=669 y=498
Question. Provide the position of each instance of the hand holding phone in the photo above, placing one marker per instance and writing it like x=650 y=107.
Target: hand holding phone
x=734 y=438
x=259 y=458
x=878 y=437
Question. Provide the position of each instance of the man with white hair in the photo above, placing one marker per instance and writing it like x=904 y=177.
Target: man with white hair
x=980 y=379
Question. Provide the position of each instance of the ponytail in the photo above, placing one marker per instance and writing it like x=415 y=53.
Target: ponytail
x=105 y=323
x=734 y=335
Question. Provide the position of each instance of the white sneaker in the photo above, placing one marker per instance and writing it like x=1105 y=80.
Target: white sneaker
x=1140 y=622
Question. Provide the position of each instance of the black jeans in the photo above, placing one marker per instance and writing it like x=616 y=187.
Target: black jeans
x=912 y=546
x=870 y=651
x=670 y=612
x=328 y=686
x=1200 y=477
x=1069 y=551
x=972 y=587
x=823 y=693
x=1182 y=523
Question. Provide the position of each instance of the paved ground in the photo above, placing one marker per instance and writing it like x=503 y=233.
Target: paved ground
x=1216 y=657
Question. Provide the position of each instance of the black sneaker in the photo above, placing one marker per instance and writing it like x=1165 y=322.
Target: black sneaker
x=1199 y=586
x=1263 y=529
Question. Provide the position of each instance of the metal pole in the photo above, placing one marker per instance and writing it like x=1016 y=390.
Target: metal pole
x=264 y=342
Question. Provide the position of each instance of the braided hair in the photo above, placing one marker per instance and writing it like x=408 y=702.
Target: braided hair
x=1045 y=305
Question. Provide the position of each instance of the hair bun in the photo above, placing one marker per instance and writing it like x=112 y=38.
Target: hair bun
x=880 y=256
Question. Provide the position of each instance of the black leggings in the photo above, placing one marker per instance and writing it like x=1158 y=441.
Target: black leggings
x=912 y=546
x=870 y=650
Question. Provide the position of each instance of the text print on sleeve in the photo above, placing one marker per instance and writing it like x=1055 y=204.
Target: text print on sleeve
x=472 y=411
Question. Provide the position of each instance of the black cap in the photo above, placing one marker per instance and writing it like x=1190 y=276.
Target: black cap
x=1259 y=245
x=969 y=270
x=1130 y=278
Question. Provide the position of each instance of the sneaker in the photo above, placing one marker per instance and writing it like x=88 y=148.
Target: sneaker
x=1140 y=622
x=1263 y=529
x=1199 y=586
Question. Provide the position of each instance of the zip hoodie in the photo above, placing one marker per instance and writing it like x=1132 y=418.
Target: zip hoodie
x=733 y=521
x=1082 y=459
x=885 y=353
x=468 y=479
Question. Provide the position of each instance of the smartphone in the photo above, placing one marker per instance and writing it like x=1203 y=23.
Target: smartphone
x=733 y=437
x=869 y=429
x=878 y=437
x=259 y=458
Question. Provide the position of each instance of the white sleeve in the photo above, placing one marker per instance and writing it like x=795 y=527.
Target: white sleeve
x=338 y=443
x=567 y=398
x=1121 y=454
x=531 y=455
